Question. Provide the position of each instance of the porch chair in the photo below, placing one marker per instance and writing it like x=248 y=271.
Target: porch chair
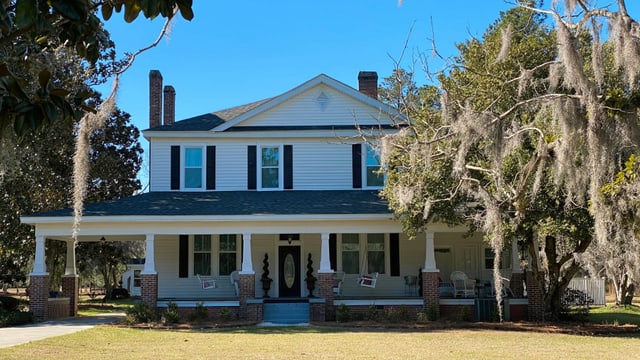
x=411 y=285
x=506 y=290
x=368 y=280
x=338 y=278
x=206 y=283
x=462 y=285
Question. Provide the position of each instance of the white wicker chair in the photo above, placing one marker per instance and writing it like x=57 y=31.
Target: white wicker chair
x=462 y=285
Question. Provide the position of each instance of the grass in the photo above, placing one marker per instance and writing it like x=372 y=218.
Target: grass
x=88 y=306
x=320 y=342
x=620 y=315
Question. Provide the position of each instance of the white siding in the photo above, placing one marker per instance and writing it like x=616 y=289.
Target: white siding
x=231 y=166
x=306 y=110
x=321 y=166
x=160 y=168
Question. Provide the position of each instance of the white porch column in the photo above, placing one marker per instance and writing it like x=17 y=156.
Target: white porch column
x=70 y=268
x=515 y=259
x=247 y=263
x=39 y=267
x=430 y=254
x=150 y=261
x=325 y=259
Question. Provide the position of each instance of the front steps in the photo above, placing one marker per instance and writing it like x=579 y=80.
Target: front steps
x=285 y=311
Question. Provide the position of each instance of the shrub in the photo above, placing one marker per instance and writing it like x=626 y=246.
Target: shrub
x=171 y=315
x=397 y=314
x=343 y=314
x=575 y=305
x=372 y=313
x=14 y=317
x=226 y=314
x=9 y=303
x=141 y=313
x=200 y=313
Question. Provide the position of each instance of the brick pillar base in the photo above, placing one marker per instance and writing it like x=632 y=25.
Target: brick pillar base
x=247 y=290
x=324 y=286
x=38 y=296
x=516 y=284
x=149 y=289
x=535 y=310
x=431 y=292
x=70 y=290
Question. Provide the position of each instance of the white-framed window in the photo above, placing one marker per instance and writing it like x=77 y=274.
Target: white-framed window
x=375 y=253
x=228 y=254
x=193 y=168
x=490 y=256
x=373 y=178
x=350 y=253
x=270 y=167
x=202 y=254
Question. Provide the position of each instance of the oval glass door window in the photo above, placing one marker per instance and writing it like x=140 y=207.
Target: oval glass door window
x=289 y=271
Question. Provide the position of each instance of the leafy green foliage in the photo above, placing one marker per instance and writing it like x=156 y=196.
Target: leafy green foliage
x=171 y=314
x=141 y=313
x=36 y=28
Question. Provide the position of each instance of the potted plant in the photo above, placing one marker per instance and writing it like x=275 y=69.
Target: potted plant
x=265 y=279
x=310 y=279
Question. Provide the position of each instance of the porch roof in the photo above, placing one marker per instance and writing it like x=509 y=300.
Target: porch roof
x=160 y=203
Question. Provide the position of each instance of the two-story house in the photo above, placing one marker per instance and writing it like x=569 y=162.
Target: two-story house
x=284 y=188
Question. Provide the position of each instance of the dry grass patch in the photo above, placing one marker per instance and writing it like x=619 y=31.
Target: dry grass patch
x=320 y=342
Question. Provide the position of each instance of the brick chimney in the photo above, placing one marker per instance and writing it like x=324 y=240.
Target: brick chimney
x=169 y=105
x=368 y=83
x=155 y=98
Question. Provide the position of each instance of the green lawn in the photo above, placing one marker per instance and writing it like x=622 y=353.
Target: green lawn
x=628 y=314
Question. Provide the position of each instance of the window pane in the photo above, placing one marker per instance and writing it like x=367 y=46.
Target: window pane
x=193 y=178
x=202 y=243
x=228 y=242
x=375 y=262
x=351 y=262
x=373 y=159
x=270 y=156
x=202 y=263
x=227 y=263
x=374 y=178
x=350 y=242
x=193 y=157
x=375 y=242
x=270 y=177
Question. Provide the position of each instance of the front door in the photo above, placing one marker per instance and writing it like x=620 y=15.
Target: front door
x=289 y=271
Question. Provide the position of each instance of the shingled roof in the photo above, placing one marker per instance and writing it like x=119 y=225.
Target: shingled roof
x=209 y=121
x=221 y=203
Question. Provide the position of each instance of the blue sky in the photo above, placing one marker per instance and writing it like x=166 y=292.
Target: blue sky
x=240 y=51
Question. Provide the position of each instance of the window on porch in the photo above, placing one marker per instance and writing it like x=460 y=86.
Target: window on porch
x=375 y=253
x=228 y=251
x=202 y=254
x=490 y=255
x=350 y=254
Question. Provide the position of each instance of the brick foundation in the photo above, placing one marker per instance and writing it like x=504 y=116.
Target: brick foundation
x=430 y=291
x=535 y=312
x=247 y=290
x=149 y=289
x=70 y=290
x=38 y=296
x=324 y=286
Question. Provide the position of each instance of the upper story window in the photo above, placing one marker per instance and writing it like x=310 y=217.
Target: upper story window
x=372 y=176
x=270 y=167
x=193 y=168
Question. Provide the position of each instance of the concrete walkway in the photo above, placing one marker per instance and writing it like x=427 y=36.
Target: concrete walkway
x=23 y=334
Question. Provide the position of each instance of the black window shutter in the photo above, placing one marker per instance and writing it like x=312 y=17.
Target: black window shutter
x=175 y=167
x=211 y=167
x=394 y=254
x=356 y=163
x=288 y=166
x=183 y=256
x=333 y=251
x=252 y=178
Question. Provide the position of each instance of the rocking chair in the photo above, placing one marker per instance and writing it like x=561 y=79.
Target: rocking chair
x=368 y=280
x=206 y=283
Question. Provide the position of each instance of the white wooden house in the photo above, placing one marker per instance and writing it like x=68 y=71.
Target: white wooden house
x=291 y=178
